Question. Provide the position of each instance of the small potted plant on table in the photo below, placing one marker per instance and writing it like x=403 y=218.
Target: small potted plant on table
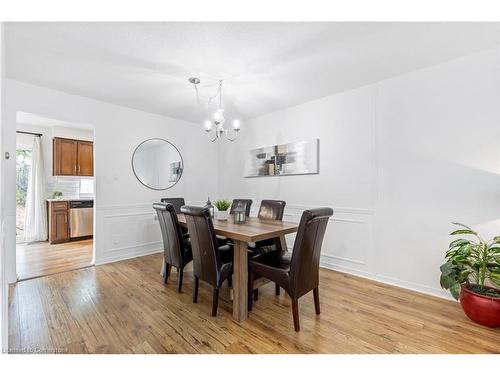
x=222 y=208
x=472 y=275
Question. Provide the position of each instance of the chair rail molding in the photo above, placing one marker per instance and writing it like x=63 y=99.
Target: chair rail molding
x=125 y=231
x=349 y=237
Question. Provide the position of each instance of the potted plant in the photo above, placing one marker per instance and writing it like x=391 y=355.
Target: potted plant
x=222 y=207
x=472 y=275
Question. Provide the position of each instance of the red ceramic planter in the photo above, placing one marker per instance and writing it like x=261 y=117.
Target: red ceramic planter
x=484 y=310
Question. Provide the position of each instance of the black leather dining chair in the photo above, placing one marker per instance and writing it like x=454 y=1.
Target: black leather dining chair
x=176 y=247
x=269 y=210
x=176 y=202
x=246 y=203
x=208 y=264
x=298 y=273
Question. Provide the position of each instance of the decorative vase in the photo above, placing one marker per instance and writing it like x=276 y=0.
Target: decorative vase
x=221 y=215
x=482 y=309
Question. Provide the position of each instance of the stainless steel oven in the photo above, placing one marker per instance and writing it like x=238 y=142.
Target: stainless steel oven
x=81 y=218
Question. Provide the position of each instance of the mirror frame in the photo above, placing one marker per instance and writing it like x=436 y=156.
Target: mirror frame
x=158 y=139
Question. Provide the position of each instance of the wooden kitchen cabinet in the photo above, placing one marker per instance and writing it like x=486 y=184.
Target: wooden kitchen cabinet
x=58 y=213
x=72 y=157
x=85 y=151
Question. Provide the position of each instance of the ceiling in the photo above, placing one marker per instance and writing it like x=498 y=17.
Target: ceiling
x=31 y=119
x=265 y=66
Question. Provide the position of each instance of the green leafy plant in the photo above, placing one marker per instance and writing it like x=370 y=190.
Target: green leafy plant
x=472 y=261
x=222 y=204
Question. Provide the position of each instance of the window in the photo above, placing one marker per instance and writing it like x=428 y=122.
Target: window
x=86 y=186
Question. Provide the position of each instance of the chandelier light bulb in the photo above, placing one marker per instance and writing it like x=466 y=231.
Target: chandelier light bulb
x=208 y=125
x=236 y=125
x=219 y=116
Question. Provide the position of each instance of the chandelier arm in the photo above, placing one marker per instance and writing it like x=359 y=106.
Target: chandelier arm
x=215 y=138
x=229 y=138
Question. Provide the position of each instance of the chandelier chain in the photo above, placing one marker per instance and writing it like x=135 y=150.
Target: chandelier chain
x=219 y=131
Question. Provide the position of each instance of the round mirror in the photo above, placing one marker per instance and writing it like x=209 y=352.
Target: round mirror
x=157 y=164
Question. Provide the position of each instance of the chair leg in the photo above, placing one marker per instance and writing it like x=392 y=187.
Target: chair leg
x=196 y=284
x=167 y=271
x=250 y=290
x=255 y=294
x=215 y=302
x=316 y=300
x=295 y=313
x=276 y=289
x=179 y=279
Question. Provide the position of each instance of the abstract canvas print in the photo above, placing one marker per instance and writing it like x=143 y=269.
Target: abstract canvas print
x=286 y=159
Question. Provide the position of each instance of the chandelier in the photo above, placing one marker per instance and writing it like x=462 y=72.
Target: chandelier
x=216 y=124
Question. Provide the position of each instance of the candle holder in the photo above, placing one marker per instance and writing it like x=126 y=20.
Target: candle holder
x=240 y=216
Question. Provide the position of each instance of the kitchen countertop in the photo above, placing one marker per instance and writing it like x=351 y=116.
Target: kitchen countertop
x=68 y=199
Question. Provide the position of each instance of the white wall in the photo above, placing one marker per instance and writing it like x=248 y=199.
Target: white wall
x=124 y=224
x=399 y=161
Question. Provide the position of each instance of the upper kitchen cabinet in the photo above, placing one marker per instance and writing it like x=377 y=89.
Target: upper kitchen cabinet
x=85 y=158
x=72 y=157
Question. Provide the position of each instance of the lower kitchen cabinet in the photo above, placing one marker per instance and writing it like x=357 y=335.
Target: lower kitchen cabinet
x=58 y=215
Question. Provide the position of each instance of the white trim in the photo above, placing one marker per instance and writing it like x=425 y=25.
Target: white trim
x=155 y=244
x=416 y=287
x=336 y=210
x=355 y=221
x=128 y=255
x=255 y=206
x=152 y=213
x=343 y=259
x=108 y=207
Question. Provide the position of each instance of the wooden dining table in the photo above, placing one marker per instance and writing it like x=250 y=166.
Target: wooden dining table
x=252 y=230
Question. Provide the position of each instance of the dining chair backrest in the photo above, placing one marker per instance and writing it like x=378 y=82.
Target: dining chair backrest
x=245 y=203
x=176 y=202
x=171 y=233
x=206 y=262
x=271 y=209
x=304 y=267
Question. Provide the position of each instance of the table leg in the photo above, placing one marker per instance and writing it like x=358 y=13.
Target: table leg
x=162 y=271
x=240 y=281
x=281 y=244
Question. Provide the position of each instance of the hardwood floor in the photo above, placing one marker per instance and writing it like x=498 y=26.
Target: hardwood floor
x=124 y=307
x=41 y=258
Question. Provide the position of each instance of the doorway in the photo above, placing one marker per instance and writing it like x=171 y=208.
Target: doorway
x=47 y=240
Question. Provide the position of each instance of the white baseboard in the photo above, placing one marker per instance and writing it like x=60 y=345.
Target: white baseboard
x=128 y=255
x=326 y=263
